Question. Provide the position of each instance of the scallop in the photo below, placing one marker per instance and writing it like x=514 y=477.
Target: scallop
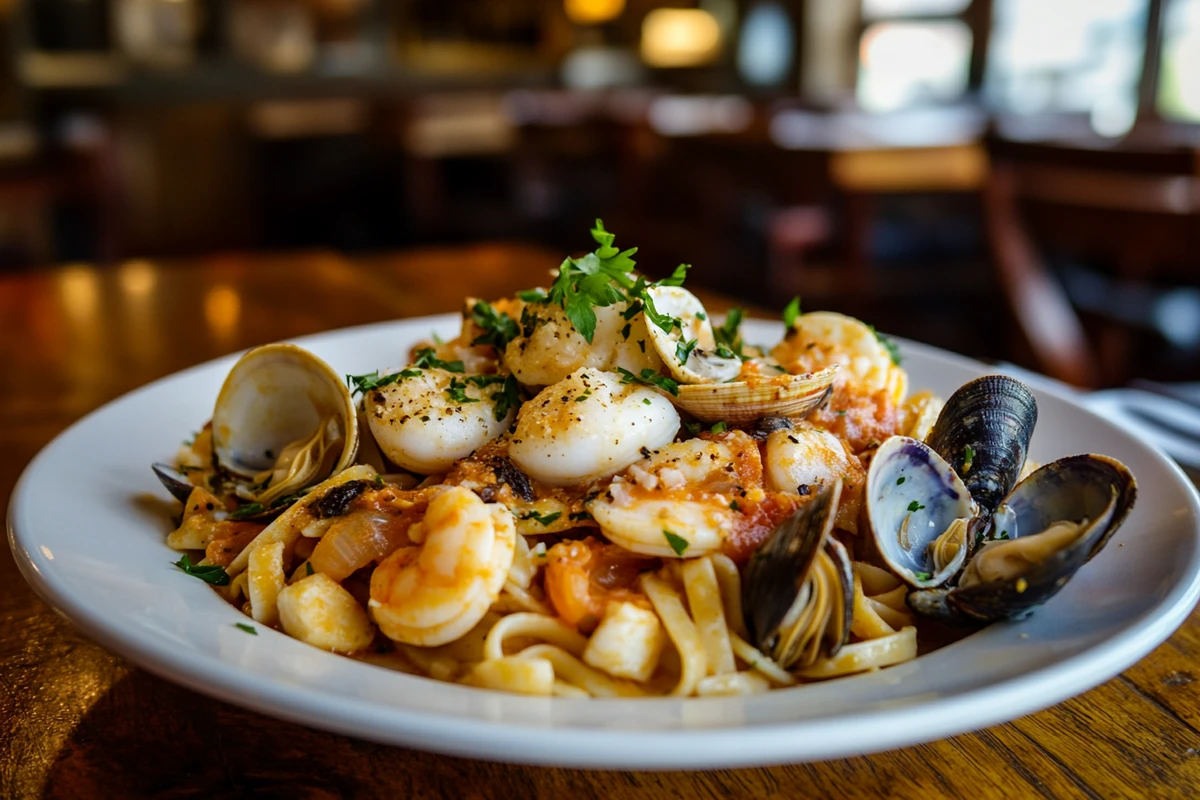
x=283 y=421
x=588 y=426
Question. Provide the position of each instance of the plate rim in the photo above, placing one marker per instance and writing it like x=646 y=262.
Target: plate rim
x=711 y=747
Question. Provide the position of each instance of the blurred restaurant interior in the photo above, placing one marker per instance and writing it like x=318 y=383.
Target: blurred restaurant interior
x=1011 y=179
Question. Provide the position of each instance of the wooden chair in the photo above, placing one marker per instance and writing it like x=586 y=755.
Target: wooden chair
x=1136 y=208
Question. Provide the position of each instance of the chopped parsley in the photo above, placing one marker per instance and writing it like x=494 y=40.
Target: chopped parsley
x=247 y=511
x=968 y=458
x=1003 y=535
x=209 y=573
x=922 y=576
x=719 y=427
x=361 y=384
x=791 y=312
x=586 y=394
x=308 y=569
x=507 y=399
x=733 y=506
x=677 y=543
x=250 y=629
x=379 y=480
x=544 y=519
x=914 y=506
x=498 y=329
x=841 y=413
x=692 y=427
x=426 y=358
x=577 y=516
x=533 y=296
x=645 y=401
x=892 y=350
x=700 y=315
x=900 y=480
x=650 y=378
x=625 y=331
x=683 y=350
x=456 y=392
x=728 y=335
x=594 y=280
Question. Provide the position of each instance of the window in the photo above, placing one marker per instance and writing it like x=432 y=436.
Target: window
x=912 y=53
x=1179 y=73
x=1082 y=56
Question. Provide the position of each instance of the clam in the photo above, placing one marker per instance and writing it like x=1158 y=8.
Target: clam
x=919 y=511
x=708 y=373
x=983 y=432
x=798 y=589
x=283 y=421
x=930 y=505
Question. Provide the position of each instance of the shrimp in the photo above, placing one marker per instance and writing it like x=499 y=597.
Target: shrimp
x=822 y=338
x=682 y=500
x=589 y=426
x=549 y=348
x=428 y=420
x=433 y=593
x=802 y=460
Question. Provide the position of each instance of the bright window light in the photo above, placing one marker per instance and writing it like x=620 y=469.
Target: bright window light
x=1179 y=75
x=766 y=46
x=882 y=9
x=904 y=64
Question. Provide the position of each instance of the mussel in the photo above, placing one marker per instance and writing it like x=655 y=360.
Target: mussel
x=950 y=518
x=709 y=388
x=798 y=589
x=283 y=421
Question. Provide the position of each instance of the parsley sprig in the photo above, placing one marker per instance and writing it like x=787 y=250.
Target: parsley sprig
x=650 y=378
x=498 y=328
x=544 y=519
x=729 y=336
x=427 y=358
x=361 y=384
x=209 y=573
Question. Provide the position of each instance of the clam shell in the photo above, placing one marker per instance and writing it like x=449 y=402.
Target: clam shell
x=703 y=365
x=1098 y=489
x=983 y=432
x=793 y=396
x=913 y=497
x=279 y=395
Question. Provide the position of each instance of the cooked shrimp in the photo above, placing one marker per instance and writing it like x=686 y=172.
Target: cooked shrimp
x=800 y=461
x=822 y=338
x=682 y=500
x=588 y=426
x=430 y=419
x=436 y=591
x=549 y=348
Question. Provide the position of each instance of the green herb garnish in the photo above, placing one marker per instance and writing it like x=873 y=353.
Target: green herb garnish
x=892 y=350
x=587 y=393
x=791 y=312
x=728 y=335
x=677 y=543
x=626 y=330
x=968 y=458
x=498 y=329
x=247 y=511
x=250 y=629
x=308 y=569
x=507 y=398
x=457 y=392
x=922 y=576
x=544 y=519
x=733 y=506
x=427 y=358
x=914 y=506
x=650 y=378
x=533 y=296
x=209 y=573
x=1003 y=535
x=719 y=427
x=588 y=282
x=645 y=401
x=900 y=480
x=683 y=350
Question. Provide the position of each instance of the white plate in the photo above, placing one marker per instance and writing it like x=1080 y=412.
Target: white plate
x=92 y=550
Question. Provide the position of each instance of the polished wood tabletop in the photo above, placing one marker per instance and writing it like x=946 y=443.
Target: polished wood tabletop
x=78 y=721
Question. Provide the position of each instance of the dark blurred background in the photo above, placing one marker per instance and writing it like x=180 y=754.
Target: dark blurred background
x=1017 y=179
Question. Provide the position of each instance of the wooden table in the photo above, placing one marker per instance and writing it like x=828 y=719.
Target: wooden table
x=77 y=721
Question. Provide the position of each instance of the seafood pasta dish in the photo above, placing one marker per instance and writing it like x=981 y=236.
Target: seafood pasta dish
x=599 y=490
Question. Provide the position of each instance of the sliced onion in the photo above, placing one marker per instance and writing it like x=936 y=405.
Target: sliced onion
x=355 y=541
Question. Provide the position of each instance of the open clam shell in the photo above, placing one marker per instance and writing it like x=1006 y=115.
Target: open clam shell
x=983 y=432
x=693 y=339
x=284 y=420
x=793 y=396
x=919 y=511
x=798 y=590
x=1053 y=523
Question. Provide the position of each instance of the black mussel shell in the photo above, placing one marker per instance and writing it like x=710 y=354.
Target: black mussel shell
x=777 y=570
x=983 y=432
x=176 y=482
